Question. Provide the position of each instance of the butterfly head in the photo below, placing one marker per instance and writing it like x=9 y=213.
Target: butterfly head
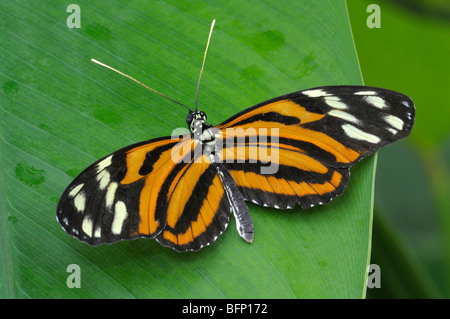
x=196 y=120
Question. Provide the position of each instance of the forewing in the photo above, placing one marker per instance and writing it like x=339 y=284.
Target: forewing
x=116 y=197
x=341 y=123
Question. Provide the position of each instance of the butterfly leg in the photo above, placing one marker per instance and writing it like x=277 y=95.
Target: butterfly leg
x=244 y=222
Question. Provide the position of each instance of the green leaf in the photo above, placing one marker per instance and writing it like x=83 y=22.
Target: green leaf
x=59 y=112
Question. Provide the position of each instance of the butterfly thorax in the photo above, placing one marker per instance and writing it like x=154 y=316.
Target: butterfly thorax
x=195 y=120
x=202 y=131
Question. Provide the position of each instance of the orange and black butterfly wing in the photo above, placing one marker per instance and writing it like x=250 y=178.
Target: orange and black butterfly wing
x=141 y=191
x=289 y=185
x=196 y=205
x=310 y=138
x=116 y=197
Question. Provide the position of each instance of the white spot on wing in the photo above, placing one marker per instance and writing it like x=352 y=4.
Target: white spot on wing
x=75 y=191
x=110 y=194
x=335 y=102
x=119 y=217
x=365 y=93
x=376 y=101
x=104 y=178
x=405 y=103
x=80 y=201
x=104 y=164
x=394 y=121
x=87 y=226
x=358 y=134
x=344 y=115
x=392 y=130
x=315 y=93
x=98 y=232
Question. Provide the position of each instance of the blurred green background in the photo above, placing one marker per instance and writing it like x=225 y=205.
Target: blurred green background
x=411 y=232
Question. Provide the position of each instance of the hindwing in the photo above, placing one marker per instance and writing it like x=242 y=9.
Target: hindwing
x=198 y=210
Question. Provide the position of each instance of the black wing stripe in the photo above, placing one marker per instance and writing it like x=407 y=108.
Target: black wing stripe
x=270 y=117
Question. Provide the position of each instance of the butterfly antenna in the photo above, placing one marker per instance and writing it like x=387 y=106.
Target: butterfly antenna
x=203 y=64
x=131 y=78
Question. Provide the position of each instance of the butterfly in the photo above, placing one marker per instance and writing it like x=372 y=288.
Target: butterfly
x=295 y=149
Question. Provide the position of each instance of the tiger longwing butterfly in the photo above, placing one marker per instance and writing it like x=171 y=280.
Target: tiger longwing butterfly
x=181 y=190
